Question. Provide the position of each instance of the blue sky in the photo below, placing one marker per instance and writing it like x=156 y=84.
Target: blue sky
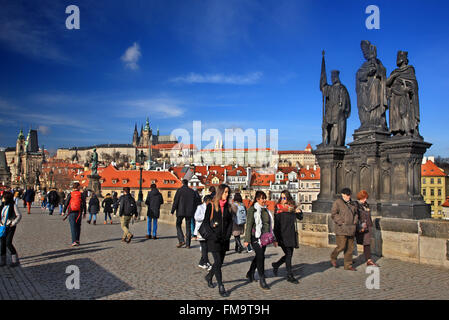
x=230 y=64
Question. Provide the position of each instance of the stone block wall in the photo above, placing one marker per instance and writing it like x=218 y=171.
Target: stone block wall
x=419 y=241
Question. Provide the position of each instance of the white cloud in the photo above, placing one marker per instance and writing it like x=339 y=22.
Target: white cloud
x=132 y=56
x=250 y=78
x=162 y=107
x=44 y=129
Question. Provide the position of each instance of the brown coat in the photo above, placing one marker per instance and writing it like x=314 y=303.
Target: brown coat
x=364 y=217
x=345 y=218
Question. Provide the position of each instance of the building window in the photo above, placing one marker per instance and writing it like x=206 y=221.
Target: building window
x=431 y=180
x=424 y=192
x=432 y=192
x=439 y=192
x=439 y=180
x=169 y=194
x=439 y=203
x=424 y=180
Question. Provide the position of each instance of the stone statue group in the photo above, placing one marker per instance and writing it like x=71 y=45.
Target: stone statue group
x=375 y=94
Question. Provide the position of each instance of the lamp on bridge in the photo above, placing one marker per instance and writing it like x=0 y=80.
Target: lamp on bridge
x=141 y=157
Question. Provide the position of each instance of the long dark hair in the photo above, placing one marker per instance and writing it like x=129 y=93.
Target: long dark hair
x=289 y=197
x=9 y=198
x=221 y=189
x=259 y=194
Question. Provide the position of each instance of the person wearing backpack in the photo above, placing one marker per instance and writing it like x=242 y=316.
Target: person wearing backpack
x=75 y=210
x=53 y=200
x=94 y=208
x=239 y=219
x=10 y=217
x=107 y=204
x=128 y=208
x=286 y=213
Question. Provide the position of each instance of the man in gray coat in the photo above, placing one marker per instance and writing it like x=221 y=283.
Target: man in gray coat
x=344 y=215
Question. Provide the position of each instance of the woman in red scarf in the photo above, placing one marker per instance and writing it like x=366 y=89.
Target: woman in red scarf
x=219 y=216
x=285 y=217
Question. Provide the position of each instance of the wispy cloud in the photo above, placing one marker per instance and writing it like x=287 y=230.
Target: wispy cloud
x=31 y=32
x=131 y=56
x=163 y=107
x=250 y=78
x=45 y=130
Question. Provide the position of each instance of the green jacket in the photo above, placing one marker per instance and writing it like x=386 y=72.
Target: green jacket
x=250 y=228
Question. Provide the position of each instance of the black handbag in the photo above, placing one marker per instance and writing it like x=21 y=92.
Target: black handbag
x=205 y=229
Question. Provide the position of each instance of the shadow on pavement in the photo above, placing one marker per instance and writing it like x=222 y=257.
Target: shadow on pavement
x=95 y=282
x=60 y=254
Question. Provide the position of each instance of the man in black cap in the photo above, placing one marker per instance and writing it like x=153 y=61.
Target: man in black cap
x=344 y=215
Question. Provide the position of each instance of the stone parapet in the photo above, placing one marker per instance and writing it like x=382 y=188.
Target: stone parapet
x=419 y=241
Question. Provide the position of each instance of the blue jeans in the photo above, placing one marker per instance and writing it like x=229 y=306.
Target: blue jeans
x=51 y=208
x=149 y=220
x=92 y=214
x=106 y=214
x=192 y=227
x=61 y=207
x=75 y=225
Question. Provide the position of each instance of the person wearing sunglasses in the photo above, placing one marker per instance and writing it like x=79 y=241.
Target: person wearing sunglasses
x=286 y=213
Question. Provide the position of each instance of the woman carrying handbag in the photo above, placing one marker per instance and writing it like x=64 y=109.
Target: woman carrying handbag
x=10 y=217
x=285 y=217
x=218 y=219
x=259 y=232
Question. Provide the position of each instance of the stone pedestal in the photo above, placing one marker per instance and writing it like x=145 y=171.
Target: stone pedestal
x=330 y=160
x=95 y=185
x=401 y=184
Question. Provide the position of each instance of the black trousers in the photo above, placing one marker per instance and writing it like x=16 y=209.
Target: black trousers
x=6 y=241
x=204 y=252
x=259 y=260
x=188 y=230
x=287 y=258
x=216 y=267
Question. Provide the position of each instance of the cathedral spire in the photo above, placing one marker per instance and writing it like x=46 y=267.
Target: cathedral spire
x=147 y=125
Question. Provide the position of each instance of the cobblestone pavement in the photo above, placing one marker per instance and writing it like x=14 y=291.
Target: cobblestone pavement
x=156 y=269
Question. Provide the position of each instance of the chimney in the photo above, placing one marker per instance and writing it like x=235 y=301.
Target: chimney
x=424 y=160
x=432 y=158
x=308 y=167
x=314 y=167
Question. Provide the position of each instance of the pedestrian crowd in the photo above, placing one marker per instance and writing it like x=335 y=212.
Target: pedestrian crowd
x=212 y=220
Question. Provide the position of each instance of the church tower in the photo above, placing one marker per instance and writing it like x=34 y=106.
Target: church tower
x=146 y=135
x=135 y=137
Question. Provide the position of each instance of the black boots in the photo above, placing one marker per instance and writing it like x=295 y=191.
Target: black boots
x=292 y=279
x=208 y=278
x=263 y=284
x=222 y=291
x=275 y=269
x=250 y=276
x=238 y=245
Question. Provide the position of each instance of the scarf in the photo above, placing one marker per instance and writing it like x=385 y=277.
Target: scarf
x=258 y=219
x=222 y=204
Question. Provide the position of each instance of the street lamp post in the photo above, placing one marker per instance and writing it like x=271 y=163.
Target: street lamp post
x=141 y=160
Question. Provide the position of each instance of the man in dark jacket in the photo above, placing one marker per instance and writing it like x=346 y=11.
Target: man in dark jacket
x=29 y=198
x=53 y=200
x=154 y=201
x=345 y=217
x=107 y=205
x=184 y=205
x=128 y=208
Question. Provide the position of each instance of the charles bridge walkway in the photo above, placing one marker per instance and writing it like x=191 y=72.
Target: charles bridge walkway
x=156 y=269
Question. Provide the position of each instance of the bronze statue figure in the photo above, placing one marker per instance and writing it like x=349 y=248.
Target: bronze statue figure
x=402 y=89
x=371 y=90
x=337 y=108
x=94 y=162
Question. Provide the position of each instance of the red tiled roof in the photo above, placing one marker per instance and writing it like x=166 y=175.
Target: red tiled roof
x=294 y=152
x=446 y=204
x=245 y=149
x=430 y=169
x=270 y=204
x=258 y=179
x=308 y=174
x=173 y=146
x=131 y=178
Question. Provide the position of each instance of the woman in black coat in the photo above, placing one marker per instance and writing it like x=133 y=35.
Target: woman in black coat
x=154 y=201
x=219 y=217
x=107 y=208
x=285 y=217
x=94 y=208
x=365 y=226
